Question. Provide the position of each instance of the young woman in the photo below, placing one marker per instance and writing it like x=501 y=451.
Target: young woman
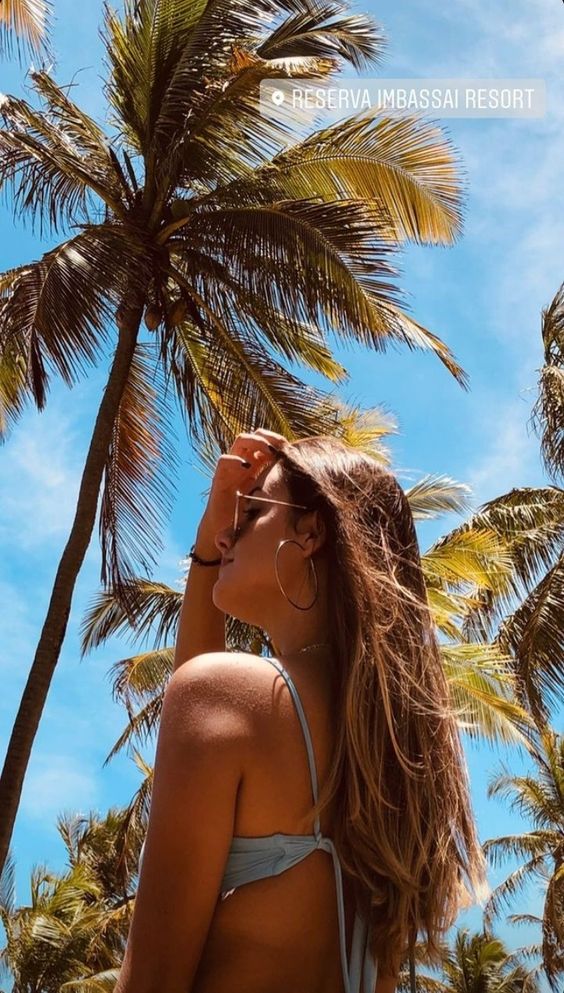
x=310 y=815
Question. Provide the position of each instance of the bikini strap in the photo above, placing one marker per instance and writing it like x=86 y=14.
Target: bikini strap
x=305 y=728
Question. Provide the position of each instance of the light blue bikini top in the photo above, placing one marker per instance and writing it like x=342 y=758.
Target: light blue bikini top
x=252 y=858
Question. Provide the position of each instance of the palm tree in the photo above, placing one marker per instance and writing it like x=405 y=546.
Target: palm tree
x=475 y=963
x=540 y=799
x=76 y=925
x=24 y=23
x=238 y=250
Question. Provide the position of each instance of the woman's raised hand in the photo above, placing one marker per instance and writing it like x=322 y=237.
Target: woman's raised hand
x=249 y=454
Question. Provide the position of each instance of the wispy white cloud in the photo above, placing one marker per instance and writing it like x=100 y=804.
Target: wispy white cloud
x=40 y=479
x=511 y=453
x=15 y=607
x=57 y=782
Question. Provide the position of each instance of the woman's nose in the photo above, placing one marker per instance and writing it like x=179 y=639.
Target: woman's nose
x=224 y=539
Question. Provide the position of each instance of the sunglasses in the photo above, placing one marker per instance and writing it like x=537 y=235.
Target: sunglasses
x=250 y=496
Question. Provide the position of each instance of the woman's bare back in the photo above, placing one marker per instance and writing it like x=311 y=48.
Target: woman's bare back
x=281 y=933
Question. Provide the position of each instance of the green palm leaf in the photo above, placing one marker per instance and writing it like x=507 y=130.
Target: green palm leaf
x=48 y=168
x=539 y=798
x=530 y=520
x=548 y=411
x=468 y=556
x=151 y=604
x=309 y=32
x=326 y=264
x=55 y=312
x=528 y=523
x=137 y=492
x=230 y=381
x=23 y=25
x=405 y=164
x=136 y=680
x=101 y=982
x=435 y=495
x=534 y=634
x=141 y=728
x=213 y=93
x=482 y=690
x=297 y=341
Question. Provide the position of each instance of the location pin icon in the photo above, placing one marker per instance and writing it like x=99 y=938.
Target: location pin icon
x=277 y=97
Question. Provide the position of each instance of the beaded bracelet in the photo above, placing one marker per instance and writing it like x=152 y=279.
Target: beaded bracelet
x=196 y=558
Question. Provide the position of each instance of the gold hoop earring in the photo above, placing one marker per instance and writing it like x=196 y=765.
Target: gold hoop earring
x=284 y=542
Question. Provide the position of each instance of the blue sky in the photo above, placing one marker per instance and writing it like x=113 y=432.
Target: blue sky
x=483 y=296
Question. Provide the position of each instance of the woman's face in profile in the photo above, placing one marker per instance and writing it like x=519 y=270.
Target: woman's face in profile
x=246 y=586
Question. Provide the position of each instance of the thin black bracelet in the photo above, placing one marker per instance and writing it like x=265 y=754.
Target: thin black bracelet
x=196 y=558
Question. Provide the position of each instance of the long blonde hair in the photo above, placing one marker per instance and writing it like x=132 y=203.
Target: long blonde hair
x=404 y=826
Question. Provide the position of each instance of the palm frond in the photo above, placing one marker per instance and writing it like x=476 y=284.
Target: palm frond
x=482 y=690
x=448 y=610
x=100 y=982
x=548 y=412
x=213 y=92
x=224 y=381
x=467 y=556
x=534 y=634
x=278 y=331
x=553 y=922
x=534 y=843
x=44 y=173
x=24 y=26
x=408 y=331
x=226 y=136
x=142 y=49
x=538 y=799
x=14 y=391
x=526 y=919
x=153 y=608
x=8 y=885
x=141 y=728
x=405 y=165
x=530 y=520
x=432 y=496
x=325 y=30
x=364 y=428
x=137 y=488
x=87 y=137
x=138 y=679
x=506 y=891
x=326 y=264
x=55 y=312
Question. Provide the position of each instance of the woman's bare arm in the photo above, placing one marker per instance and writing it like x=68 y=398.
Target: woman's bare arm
x=201 y=627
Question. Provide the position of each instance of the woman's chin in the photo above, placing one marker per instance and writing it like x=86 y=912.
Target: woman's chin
x=220 y=598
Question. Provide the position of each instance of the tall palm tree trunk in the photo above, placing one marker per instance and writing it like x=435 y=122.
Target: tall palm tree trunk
x=55 y=625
